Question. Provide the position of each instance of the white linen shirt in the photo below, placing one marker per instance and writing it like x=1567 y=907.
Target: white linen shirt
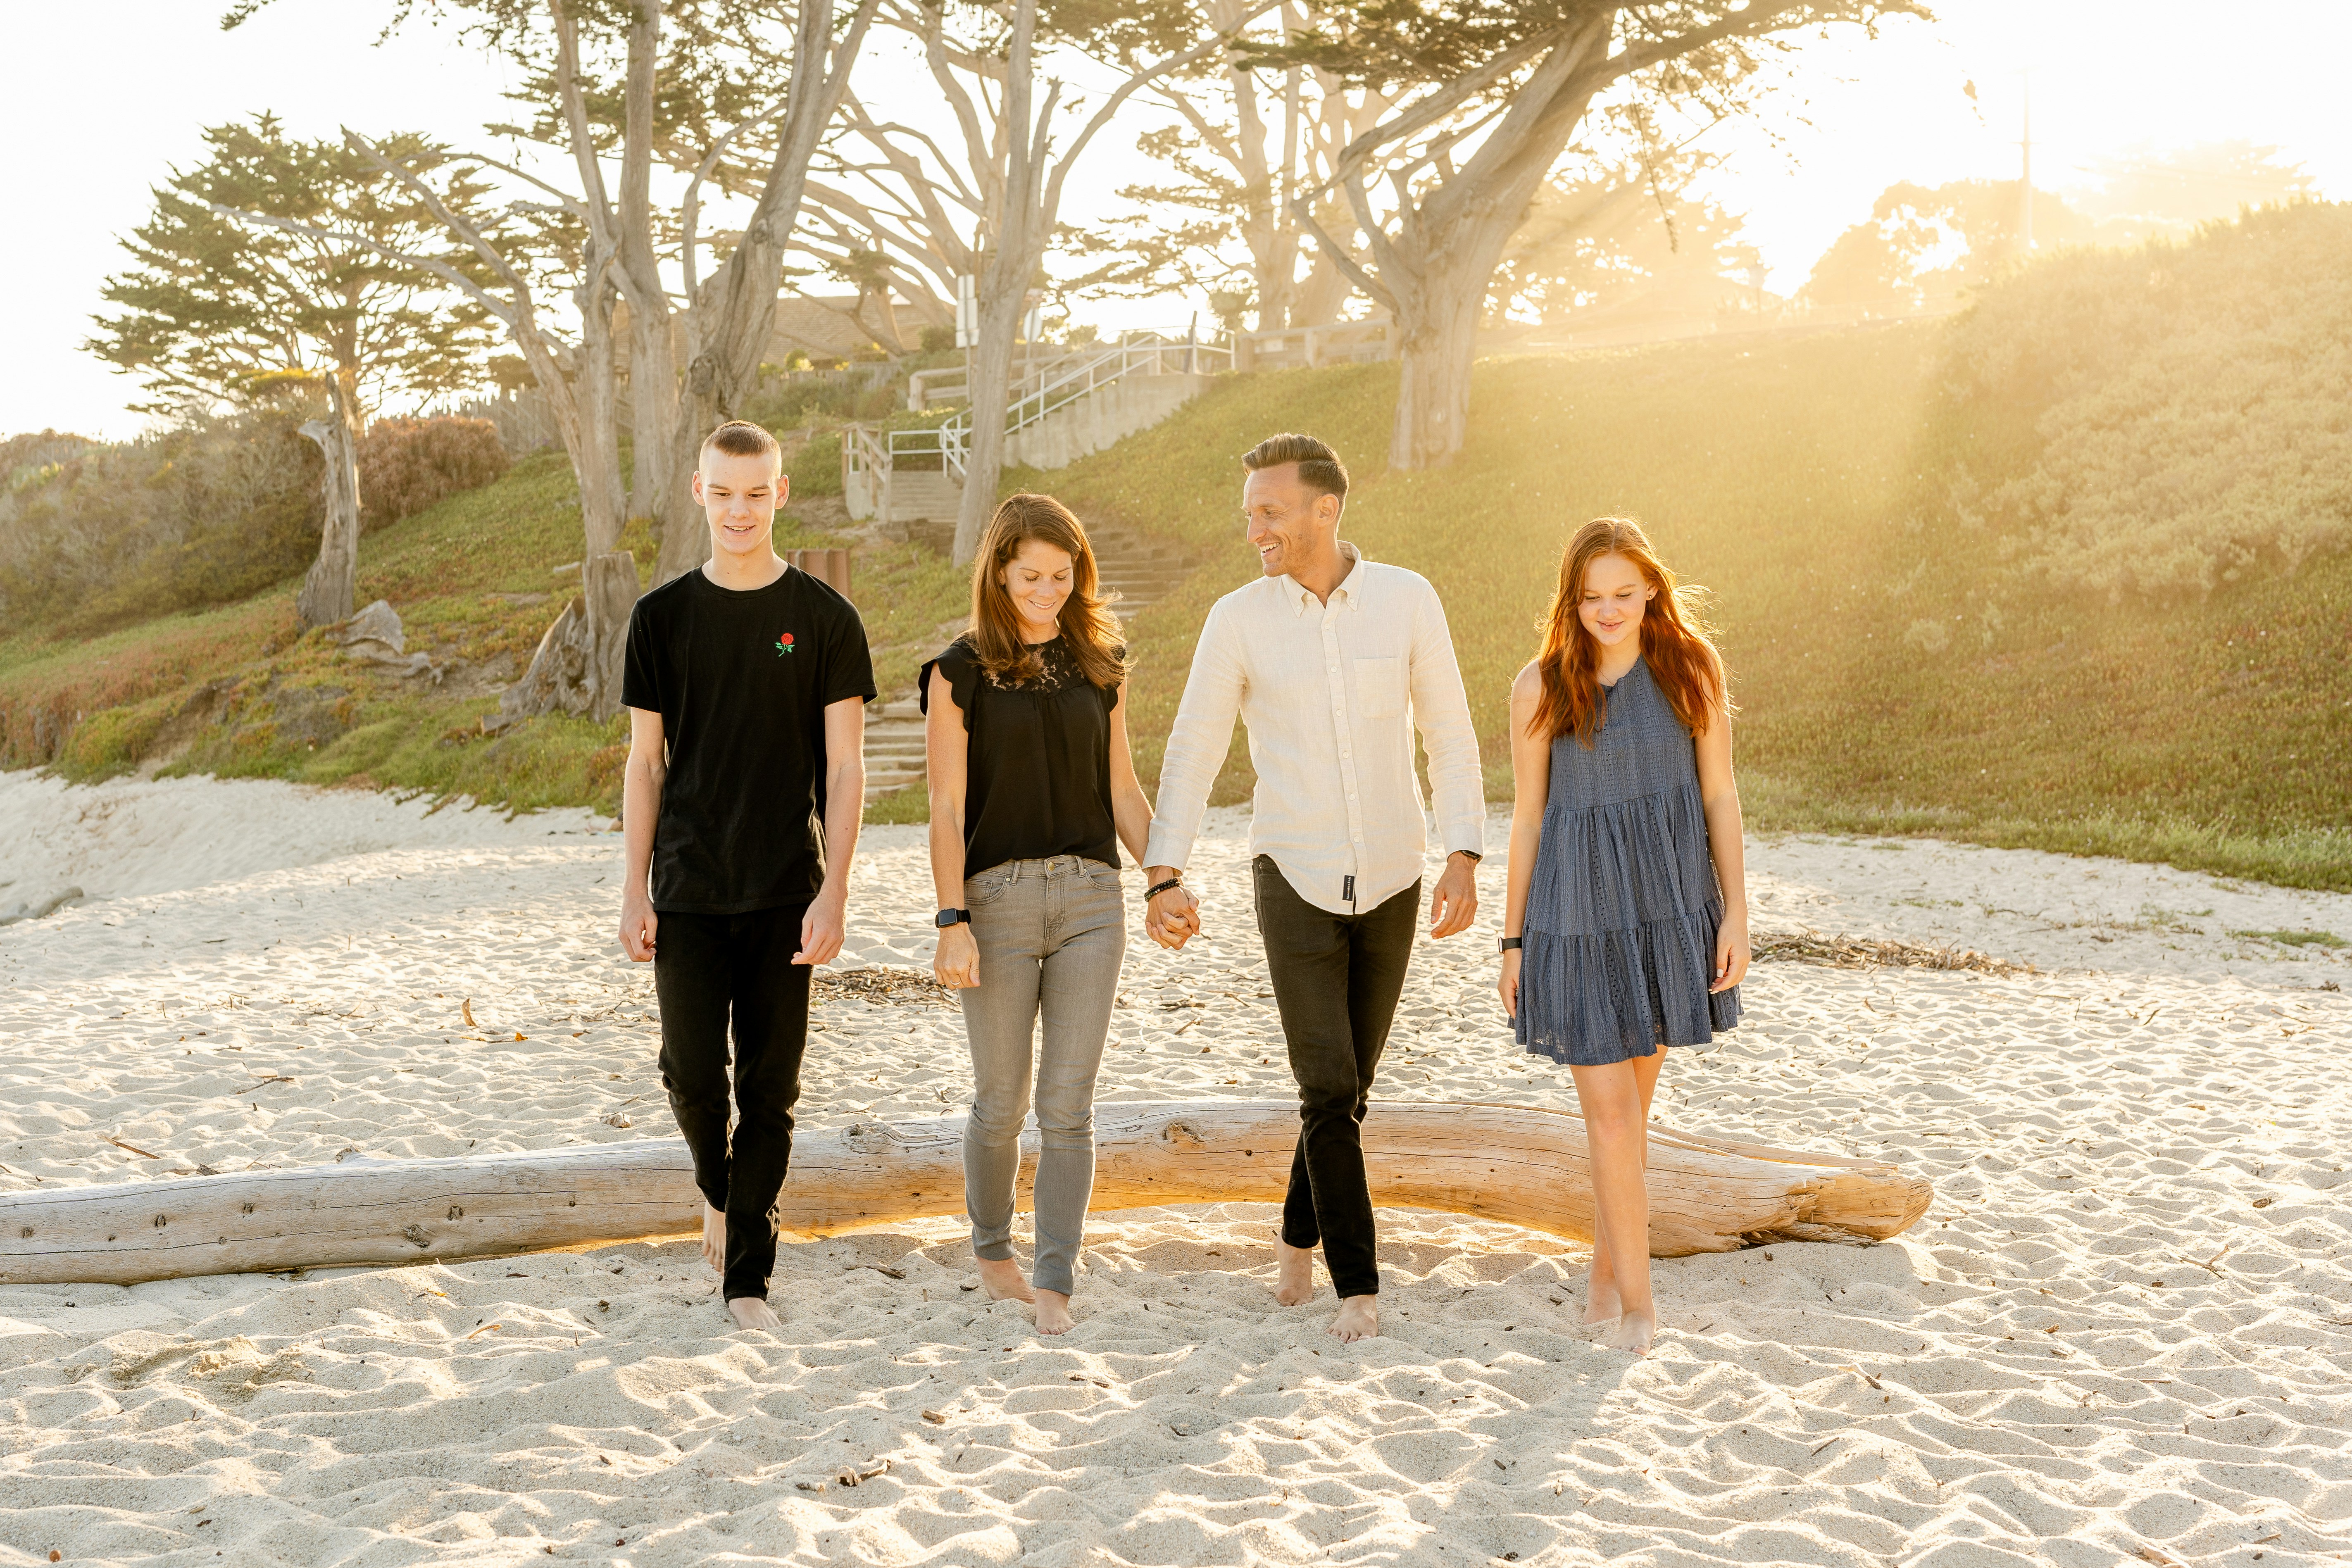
x=1331 y=693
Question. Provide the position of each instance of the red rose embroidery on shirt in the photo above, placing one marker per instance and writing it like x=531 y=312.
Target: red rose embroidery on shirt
x=783 y=645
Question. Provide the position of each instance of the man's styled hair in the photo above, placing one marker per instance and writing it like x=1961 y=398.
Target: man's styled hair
x=1319 y=467
x=741 y=439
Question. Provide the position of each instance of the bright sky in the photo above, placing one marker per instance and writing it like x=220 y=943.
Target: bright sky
x=96 y=120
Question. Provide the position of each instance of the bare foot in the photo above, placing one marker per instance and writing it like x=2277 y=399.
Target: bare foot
x=1601 y=1303
x=1053 y=1312
x=1634 y=1331
x=1358 y=1318
x=714 y=1238
x=1294 y=1281
x=1000 y=1279
x=753 y=1313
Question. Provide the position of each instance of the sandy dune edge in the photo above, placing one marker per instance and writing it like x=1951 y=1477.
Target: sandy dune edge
x=2097 y=1342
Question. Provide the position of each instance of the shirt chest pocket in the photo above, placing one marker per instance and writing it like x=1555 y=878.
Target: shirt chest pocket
x=1379 y=687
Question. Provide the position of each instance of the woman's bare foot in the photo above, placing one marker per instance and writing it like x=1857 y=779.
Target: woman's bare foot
x=1053 y=1312
x=1634 y=1331
x=714 y=1238
x=753 y=1313
x=1294 y=1280
x=1358 y=1318
x=1000 y=1279
x=1601 y=1303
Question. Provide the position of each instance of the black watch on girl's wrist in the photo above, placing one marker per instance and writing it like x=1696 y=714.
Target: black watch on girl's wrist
x=1510 y=945
x=947 y=917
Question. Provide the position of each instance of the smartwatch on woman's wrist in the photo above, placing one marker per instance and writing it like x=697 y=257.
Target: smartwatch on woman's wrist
x=1510 y=945
x=947 y=917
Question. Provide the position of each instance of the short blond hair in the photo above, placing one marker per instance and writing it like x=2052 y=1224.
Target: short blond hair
x=741 y=439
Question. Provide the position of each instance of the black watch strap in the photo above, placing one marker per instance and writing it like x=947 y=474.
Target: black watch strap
x=1510 y=945
x=947 y=917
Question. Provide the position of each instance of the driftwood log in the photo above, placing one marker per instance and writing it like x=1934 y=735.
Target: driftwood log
x=1508 y=1162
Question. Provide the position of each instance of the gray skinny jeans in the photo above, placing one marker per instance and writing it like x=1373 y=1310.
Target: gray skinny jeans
x=1051 y=934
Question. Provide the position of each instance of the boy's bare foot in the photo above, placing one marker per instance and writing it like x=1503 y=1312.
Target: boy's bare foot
x=1053 y=1312
x=753 y=1313
x=1634 y=1331
x=714 y=1238
x=1358 y=1318
x=1601 y=1303
x=1000 y=1279
x=1294 y=1280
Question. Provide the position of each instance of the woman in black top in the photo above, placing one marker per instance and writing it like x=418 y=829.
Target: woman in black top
x=1032 y=793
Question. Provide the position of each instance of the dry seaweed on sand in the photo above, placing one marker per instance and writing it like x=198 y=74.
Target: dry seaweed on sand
x=880 y=984
x=1872 y=953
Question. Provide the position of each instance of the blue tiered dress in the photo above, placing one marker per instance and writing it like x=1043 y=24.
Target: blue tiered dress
x=1618 y=943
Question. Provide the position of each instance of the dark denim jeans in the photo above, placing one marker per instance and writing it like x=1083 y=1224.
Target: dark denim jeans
x=1337 y=979
x=710 y=970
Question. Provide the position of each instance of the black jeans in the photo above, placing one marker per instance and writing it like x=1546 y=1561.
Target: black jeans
x=706 y=969
x=1336 y=979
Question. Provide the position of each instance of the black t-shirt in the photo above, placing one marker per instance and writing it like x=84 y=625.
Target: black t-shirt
x=1037 y=779
x=741 y=678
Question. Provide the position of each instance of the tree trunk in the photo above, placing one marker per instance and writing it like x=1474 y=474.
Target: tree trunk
x=653 y=370
x=1516 y=1164
x=1435 y=269
x=577 y=666
x=326 y=588
x=989 y=387
x=603 y=502
x=685 y=532
x=653 y=416
x=1437 y=333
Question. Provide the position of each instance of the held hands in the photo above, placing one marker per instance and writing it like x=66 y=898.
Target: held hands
x=821 y=930
x=637 y=923
x=1731 y=954
x=1455 y=903
x=1173 y=918
x=955 y=962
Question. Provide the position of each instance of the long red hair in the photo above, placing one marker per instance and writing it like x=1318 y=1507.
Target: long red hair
x=1676 y=641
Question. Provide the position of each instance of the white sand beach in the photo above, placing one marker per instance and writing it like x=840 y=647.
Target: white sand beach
x=2123 y=1334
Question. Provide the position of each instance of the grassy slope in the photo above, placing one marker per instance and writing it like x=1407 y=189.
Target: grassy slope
x=240 y=691
x=2211 y=733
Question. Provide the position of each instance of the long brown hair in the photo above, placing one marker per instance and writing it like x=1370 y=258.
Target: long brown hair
x=1087 y=624
x=1676 y=642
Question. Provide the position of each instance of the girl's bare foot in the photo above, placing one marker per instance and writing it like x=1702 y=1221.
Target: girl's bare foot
x=714 y=1238
x=1634 y=1331
x=1053 y=1312
x=1601 y=1303
x=1000 y=1279
x=1358 y=1318
x=753 y=1313
x=1294 y=1280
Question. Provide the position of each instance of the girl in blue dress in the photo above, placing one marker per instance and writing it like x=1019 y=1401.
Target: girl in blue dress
x=1625 y=918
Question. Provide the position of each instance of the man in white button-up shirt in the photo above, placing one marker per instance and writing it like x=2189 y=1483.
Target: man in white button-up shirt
x=1332 y=661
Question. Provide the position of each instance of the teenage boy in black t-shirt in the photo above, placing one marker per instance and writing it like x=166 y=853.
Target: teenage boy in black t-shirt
x=747 y=683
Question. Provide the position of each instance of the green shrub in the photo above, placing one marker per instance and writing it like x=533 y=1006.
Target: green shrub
x=407 y=465
x=205 y=512
x=815 y=468
x=2163 y=418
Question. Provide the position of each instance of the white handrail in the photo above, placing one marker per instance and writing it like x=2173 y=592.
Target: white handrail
x=1039 y=394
